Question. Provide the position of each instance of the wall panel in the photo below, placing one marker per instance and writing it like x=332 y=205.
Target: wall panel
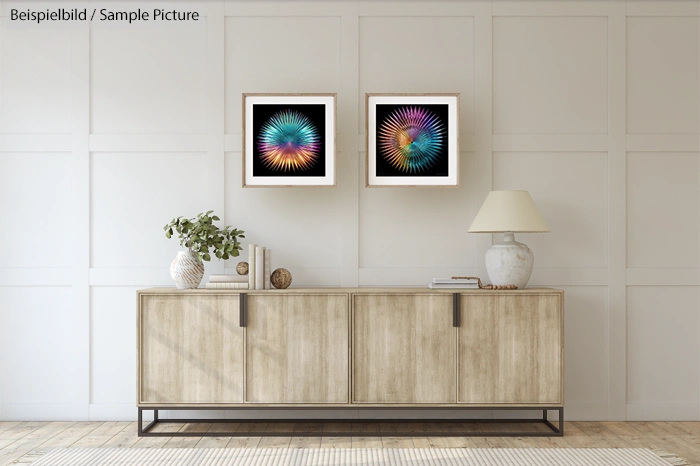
x=663 y=71
x=549 y=75
x=29 y=102
x=663 y=352
x=37 y=362
x=663 y=197
x=586 y=336
x=148 y=80
x=113 y=345
x=35 y=205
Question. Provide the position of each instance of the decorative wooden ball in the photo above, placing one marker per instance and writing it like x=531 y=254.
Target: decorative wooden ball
x=281 y=279
x=242 y=268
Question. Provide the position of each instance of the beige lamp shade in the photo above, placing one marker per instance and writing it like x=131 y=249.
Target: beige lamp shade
x=513 y=211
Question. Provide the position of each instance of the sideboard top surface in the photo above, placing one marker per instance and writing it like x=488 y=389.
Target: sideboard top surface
x=365 y=290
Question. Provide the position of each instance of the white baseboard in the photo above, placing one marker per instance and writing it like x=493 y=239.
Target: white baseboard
x=116 y=412
x=581 y=411
x=40 y=412
x=663 y=411
x=574 y=411
x=128 y=412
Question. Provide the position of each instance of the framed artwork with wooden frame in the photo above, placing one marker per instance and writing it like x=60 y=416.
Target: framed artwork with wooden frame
x=289 y=140
x=412 y=140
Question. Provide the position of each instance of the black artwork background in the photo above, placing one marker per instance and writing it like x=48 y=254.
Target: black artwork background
x=315 y=112
x=440 y=168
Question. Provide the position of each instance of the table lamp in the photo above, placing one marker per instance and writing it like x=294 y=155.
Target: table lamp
x=509 y=212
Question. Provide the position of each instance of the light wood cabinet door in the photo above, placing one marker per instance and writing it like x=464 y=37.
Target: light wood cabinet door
x=511 y=349
x=404 y=349
x=190 y=349
x=297 y=348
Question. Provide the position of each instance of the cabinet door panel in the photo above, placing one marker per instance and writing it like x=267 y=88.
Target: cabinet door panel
x=191 y=349
x=297 y=349
x=510 y=349
x=404 y=349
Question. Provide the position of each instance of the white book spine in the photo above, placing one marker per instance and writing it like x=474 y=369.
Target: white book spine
x=260 y=268
x=454 y=280
x=227 y=286
x=251 y=266
x=267 y=269
x=228 y=279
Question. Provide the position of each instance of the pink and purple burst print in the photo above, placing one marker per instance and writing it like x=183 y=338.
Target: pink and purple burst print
x=411 y=139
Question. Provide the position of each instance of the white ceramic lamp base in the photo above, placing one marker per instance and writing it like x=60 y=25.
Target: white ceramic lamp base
x=509 y=262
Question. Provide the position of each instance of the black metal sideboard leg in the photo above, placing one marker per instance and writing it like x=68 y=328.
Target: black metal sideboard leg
x=561 y=421
x=144 y=431
x=558 y=431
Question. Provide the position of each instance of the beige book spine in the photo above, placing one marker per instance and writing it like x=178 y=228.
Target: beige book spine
x=260 y=268
x=251 y=266
x=268 y=271
x=227 y=286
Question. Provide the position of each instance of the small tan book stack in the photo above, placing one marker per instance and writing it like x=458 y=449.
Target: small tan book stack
x=228 y=282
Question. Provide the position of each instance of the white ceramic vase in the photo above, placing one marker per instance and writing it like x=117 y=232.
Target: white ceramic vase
x=509 y=262
x=187 y=270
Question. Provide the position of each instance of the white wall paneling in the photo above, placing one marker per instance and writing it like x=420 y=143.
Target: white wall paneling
x=483 y=123
x=587 y=333
x=592 y=106
x=656 y=180
x=30 y=103
x=38 y=362
x=79 y=333
x=42 y=182
x=617 y=201
x=537 y=56
x=112 y=348
x=150 y=80
x=348 y=164
x=669 y=40
x=662 y=323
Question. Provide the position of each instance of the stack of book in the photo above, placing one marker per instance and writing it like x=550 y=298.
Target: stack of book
x=228 y=282
x=454 y=283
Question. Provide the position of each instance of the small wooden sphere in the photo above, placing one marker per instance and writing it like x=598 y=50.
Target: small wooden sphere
x=281 y=279
x=242 y=268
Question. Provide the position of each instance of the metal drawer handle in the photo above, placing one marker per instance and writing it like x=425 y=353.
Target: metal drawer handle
x=243 y=309
x=456 y=314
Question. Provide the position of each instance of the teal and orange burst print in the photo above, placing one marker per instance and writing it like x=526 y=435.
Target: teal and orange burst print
x=288 y=142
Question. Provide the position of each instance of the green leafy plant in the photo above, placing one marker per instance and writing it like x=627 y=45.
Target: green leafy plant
x=200 y=234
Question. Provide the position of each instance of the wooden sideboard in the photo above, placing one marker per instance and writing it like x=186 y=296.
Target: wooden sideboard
x=350 y=348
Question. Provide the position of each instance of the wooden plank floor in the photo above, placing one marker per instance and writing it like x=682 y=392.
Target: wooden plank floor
x=19 y=438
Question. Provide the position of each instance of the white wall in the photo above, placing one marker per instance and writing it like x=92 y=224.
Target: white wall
x=593 y=106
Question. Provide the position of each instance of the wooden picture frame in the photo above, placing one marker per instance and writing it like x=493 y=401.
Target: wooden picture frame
x=438 y=164
x=308 y=159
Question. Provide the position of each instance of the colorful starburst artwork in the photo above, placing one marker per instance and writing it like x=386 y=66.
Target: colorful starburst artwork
x=289 y=142
x=411 y=139
x=289 y=139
